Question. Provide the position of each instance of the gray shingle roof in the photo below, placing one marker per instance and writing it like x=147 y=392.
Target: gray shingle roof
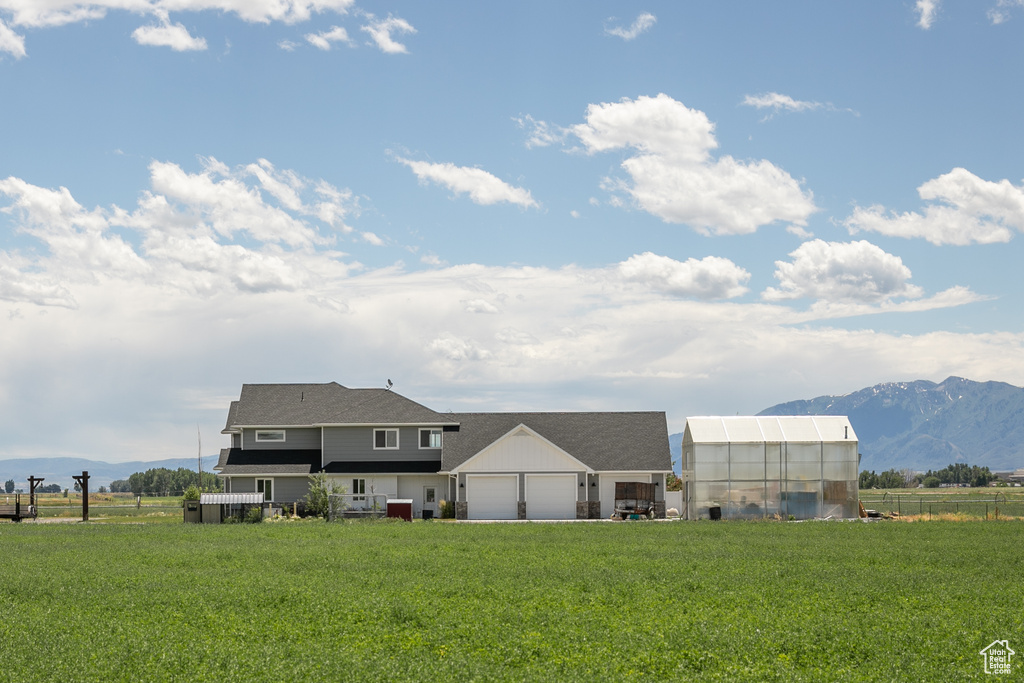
x=304 y=405
x=603 y=441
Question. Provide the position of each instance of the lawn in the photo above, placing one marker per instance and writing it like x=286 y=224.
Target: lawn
x=441 y=601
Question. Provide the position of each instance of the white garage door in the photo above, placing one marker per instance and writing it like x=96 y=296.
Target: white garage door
x=551 y=496
x=493 y=496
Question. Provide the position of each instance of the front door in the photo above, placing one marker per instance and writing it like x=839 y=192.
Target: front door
x=430 y=499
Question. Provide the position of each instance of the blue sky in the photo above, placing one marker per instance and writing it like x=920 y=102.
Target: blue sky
x=696 y=207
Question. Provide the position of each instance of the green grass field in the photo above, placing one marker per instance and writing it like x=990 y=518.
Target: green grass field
x=440 y=601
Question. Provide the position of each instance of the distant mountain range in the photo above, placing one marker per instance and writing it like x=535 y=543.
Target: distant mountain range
x=60 y=470
x=923 y=425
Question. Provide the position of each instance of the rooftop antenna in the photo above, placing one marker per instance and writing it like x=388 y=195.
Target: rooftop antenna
x=390 y=384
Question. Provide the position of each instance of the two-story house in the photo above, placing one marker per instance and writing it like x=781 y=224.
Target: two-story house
x=491 y=465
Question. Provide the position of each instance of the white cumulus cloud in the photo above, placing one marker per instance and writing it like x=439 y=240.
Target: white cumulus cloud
x=641 y=24
x=35 y=14
x=966 y=210
x=712 y=277
x=174 y=36
x=482 y=187
x=673 y=175
x=842 y=271
x=926 y=12
x=381 y=32
x=11 y=42
x=323 y=40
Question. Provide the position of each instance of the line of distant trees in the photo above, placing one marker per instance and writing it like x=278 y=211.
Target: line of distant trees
x=161 y=481
x=953 y=474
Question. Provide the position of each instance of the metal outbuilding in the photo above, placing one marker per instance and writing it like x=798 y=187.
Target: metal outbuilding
x=801 y=467
x=214 y=508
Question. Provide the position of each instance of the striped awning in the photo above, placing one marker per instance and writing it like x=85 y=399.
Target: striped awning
x=230 y=498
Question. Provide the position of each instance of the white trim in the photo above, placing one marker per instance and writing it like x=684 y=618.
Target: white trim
x=385 y=447
x=419 y=440
x=508 y=434
x=282 y=432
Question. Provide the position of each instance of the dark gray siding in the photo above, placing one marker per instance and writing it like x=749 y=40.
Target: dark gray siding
x=356 y=444
x=286 y=489
x=296 y=438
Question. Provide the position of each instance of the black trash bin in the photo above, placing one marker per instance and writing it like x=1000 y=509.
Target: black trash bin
x=428 y=514
x=715 y=512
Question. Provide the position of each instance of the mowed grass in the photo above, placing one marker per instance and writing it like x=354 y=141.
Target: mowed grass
x=440 y=601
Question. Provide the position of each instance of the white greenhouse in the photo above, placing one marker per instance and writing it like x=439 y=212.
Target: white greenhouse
x=803 y=467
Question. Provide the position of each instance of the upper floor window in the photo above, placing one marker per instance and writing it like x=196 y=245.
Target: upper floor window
x=270 y=435
x=430 y=438
x=385 y=438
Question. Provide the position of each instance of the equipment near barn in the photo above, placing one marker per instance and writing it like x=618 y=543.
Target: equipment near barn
x=634 y=500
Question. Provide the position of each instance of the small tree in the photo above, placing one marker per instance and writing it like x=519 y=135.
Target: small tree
x=318 y=502
x=191 y=493
x=9 y=486
x=931 y=482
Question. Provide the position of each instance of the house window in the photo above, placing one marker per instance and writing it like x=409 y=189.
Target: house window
x=270 y=435
x=430 y=438
x=385 y=438
x=266 y=487
x=358 y=489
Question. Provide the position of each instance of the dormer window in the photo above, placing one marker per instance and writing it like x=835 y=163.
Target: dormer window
x=277 y=435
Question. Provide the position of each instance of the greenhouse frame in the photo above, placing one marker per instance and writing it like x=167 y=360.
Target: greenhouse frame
x=791 y=467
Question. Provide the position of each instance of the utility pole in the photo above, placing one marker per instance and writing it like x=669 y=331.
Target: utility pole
x=83 y=481
x=33 y=481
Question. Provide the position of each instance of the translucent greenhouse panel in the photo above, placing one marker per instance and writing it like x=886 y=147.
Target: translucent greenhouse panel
x=773 y=497
x=743 y=430
x=839 y=499
x=840 y=471
x=771 y=430
x=746 y=461
x=746 y=471
x=797 y=470
x=800 y=499
x=711 y=462
x=803 y=452
x=746 y=500
x=706 y=494
x=840 y=461
x=773 y=461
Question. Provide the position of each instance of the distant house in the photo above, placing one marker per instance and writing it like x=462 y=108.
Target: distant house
x=491 y=465
x=751 y=467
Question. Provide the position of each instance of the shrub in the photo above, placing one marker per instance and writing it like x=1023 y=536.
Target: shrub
x=446 y=509
x=318 y=502
x=191 y=493
x=931 y=482
x=254 y=515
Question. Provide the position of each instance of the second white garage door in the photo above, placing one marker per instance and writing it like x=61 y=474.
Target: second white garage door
x=493 y=496
x=551 y=496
